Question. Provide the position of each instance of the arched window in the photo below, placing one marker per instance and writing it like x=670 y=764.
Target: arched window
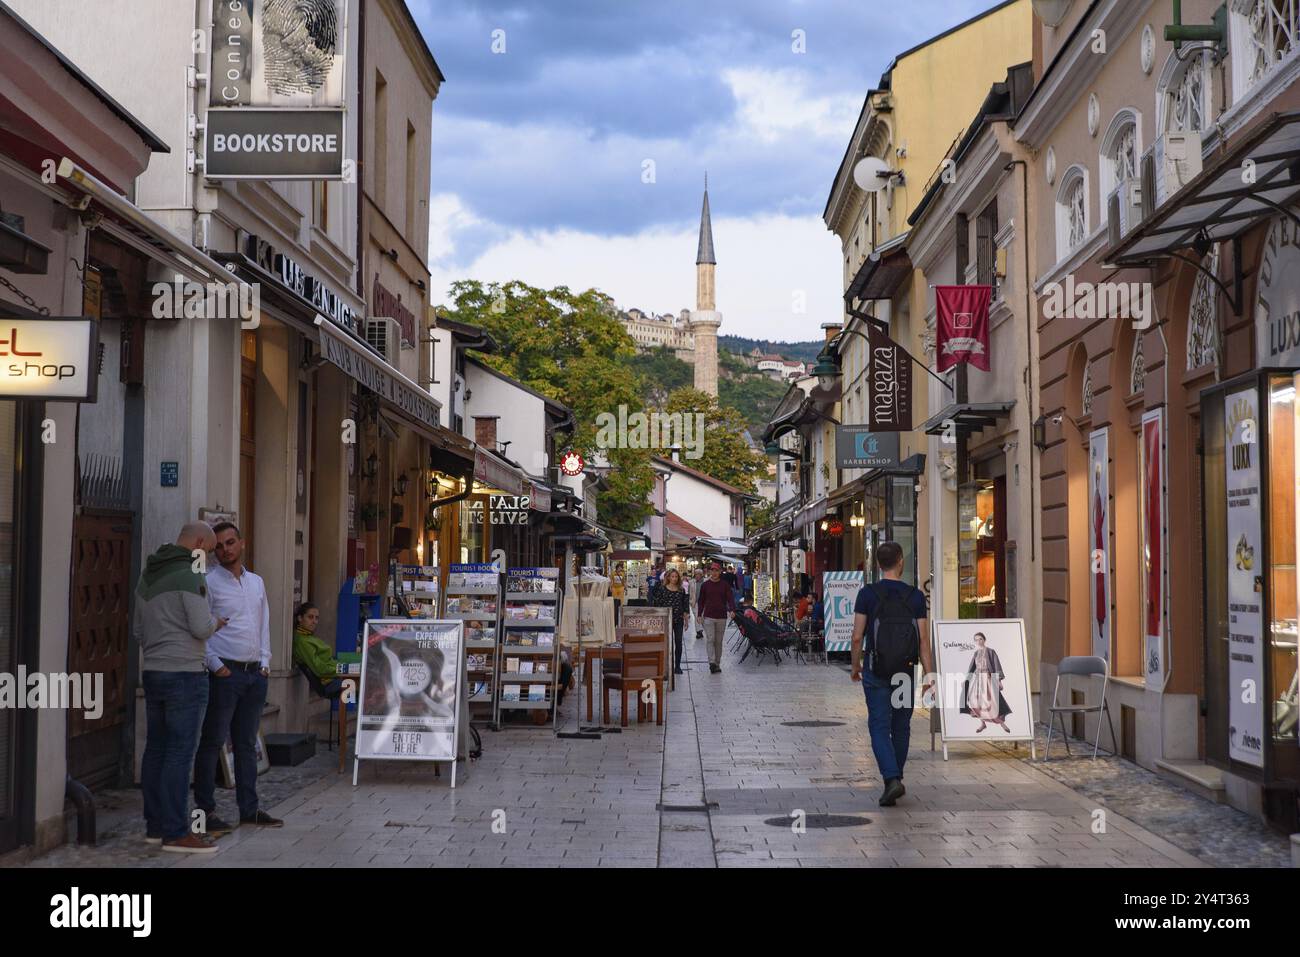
x=1086 y=400
x=1121 y=150
x=1183 y=101
x=1262 y=34
x=1203 y=346
x=1137 y=370
x=1071 y=211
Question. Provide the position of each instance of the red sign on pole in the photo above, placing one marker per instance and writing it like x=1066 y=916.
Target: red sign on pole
x=962 y=326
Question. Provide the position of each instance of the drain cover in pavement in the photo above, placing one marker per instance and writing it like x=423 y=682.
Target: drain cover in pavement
x=821 y=821
x=813 y=724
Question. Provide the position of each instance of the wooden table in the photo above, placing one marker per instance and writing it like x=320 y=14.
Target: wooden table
x=345 y=677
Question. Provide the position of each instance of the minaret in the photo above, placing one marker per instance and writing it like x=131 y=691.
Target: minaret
x=705 y=319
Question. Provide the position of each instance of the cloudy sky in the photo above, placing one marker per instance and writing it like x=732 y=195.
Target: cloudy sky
x=542 y=152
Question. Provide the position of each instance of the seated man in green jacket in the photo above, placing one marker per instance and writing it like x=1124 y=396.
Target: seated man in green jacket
x=310 y=651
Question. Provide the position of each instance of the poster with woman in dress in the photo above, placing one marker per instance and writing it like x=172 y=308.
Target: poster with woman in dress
x=983 y=679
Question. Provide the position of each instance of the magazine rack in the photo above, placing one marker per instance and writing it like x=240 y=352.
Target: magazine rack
x=529 y=658
x=471 y=591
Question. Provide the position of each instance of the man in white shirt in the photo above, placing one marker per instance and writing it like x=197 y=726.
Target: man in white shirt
x=238 y=663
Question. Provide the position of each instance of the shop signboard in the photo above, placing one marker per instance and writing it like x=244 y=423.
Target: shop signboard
x=983 y=680
x=858 y=447
x=1245 y=579
x=839 y=595
x=1153 y=548
x=1277 y=299
x=54 y=359
x=276 y=88
x=1099 y=618
x=889 y=384
x=411 y=692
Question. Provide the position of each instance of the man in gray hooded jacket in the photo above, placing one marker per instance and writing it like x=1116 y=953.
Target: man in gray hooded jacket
x=172 y=626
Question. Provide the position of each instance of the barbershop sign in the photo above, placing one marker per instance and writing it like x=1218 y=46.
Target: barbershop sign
x=1277 y=303
x=379 y=378
x=302 y=284
x=55 y=359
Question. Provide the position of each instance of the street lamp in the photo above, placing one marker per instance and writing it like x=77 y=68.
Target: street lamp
x=828 y=369
x=774 y=448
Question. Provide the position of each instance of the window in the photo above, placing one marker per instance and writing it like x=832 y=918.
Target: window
x=1183 y=103
x=1121 y=148
x=1086 y=398
x=1137 y=371
x=412 y=186
x=1263 y=34
x=321 y=205
x=1071 y=212
x=1203 y=318
x=986 y=228
x=380 y=181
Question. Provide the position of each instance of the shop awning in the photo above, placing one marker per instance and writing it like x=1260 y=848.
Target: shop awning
x=881 y=274
x=968 y=416
x=847 y=492
x=491 y=469
x=811 y=513
x=723 y=546
x=1218 y=205
x=539 y=496
x=396 y=392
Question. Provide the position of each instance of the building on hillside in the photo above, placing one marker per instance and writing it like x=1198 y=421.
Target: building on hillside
x=780 y=368
x=666 y=332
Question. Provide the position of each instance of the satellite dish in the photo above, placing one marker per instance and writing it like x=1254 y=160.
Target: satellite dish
x=868 y=174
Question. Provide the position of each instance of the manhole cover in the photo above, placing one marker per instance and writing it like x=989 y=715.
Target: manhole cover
x=813 y=724
x=821 y=821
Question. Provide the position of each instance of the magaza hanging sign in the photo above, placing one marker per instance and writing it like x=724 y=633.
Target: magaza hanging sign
x=962 y=326
x=276 y=89
x=889 y=383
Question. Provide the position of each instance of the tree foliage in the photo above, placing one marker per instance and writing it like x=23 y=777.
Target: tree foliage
x=726 y=456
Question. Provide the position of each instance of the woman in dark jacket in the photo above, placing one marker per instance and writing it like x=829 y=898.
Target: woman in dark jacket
x=983 y=695
x=670 y=593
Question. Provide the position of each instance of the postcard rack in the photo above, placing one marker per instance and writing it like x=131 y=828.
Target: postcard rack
x=529 y=657
x=474 y=596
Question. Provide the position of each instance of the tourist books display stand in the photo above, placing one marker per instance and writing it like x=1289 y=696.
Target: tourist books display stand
x=474 y=597
x=529 y=657
x=418 y=585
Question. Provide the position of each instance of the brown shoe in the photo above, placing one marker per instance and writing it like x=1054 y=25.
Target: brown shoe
x=190 y=844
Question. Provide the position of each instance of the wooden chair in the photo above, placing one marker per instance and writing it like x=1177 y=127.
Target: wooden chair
x=643 y=657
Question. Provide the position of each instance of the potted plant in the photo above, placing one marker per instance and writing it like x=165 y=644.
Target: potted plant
x=370 y=513
x=432 y=520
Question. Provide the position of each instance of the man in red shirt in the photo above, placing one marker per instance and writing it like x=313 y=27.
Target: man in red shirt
x=714 y=606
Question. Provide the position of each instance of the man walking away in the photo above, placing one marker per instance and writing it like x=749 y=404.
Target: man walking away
x=891 y=614
x=239 y=663
x=715 y=604
x=172 y=625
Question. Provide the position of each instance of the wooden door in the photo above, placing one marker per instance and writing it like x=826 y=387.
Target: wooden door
x=98 y=633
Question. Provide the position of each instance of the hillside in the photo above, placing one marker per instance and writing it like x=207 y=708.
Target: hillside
x=802 y=351
x=752 y=394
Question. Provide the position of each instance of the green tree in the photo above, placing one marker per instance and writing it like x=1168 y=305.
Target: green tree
x=571 y=348
x=759 y=516
x=661 y=372
x=725 y=454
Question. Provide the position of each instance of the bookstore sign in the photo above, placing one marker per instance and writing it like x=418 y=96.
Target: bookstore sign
x=276 y=90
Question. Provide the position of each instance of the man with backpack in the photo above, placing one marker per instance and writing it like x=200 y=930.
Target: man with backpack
x=891 y=615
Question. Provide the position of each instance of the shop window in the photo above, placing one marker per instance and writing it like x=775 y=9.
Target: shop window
x=1203 y=343
x=1071 y=212
x=981 y=549
x=1282 y=515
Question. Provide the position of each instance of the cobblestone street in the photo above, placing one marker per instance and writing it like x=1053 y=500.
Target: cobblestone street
x=718 y=787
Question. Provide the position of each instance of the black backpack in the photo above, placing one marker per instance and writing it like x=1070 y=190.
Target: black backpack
x=895 y=639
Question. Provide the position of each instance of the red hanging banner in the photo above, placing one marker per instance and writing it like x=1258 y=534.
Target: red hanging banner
x=962 y=326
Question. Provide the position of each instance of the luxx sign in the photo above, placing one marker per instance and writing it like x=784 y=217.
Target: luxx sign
x=276 y=86
x=50 y=358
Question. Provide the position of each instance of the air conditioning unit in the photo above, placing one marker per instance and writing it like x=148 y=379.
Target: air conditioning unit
x=385 y=336
x=1124 y=210
x=1175 y=162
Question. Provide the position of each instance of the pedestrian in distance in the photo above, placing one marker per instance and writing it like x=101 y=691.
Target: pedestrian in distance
x=239 y=664
x=890 y=619
x=671 y=594
x=172 y=625
x=696 y=620
x=715 y=607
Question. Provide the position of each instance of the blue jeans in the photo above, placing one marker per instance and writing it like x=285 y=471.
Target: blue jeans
x=890 y=727
x=235 y=711
x=174 y=705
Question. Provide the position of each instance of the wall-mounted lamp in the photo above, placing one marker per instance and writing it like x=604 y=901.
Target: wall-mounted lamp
x=399 y=490
x=1040 y=433
x=371 y=468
